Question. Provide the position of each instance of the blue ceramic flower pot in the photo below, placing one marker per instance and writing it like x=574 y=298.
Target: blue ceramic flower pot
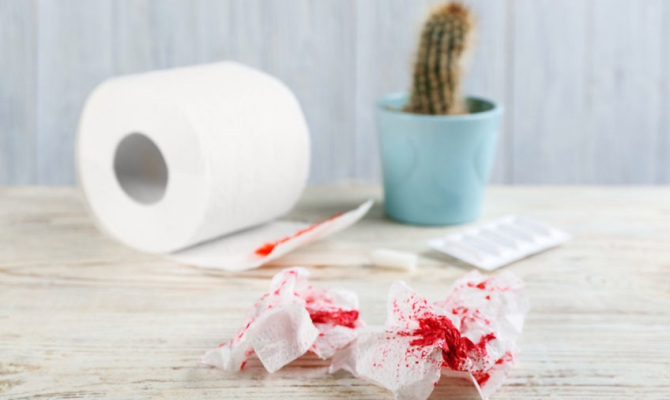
x=436 y=166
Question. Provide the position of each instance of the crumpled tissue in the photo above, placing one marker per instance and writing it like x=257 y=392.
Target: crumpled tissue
x=289 y=320
x=471 y=333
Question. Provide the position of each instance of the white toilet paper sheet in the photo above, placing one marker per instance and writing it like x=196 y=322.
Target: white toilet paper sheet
x=470 y=334
x=289 y=320
x=198 y=163
x=257 y=246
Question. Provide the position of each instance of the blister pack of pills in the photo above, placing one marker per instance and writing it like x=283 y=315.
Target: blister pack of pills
x=500 y=242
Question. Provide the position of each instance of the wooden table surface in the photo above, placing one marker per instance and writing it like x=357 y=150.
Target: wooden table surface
x=84 y=317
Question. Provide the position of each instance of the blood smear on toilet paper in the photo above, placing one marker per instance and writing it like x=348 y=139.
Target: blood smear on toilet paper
x=267 y=248
x=257 y=246
x=471 y=334
x=291 y=319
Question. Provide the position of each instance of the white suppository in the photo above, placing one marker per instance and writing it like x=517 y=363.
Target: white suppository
x=500 y=242
x=394 y=259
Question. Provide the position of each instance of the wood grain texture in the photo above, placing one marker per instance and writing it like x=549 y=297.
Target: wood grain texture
x=552 y=139
x=220 y=30
x=82 y=316
x=663 y=152
x=151 y=34
x=310 y=45
x=386 y=33
x=488 y=71
x=18 y=95
x=626 y=89
x=75 y=54
x=584 y=83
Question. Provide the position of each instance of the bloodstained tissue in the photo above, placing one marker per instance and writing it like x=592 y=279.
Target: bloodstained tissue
x=470 y=334
x=294 y=313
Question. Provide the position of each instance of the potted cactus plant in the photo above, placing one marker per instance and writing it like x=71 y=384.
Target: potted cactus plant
x=437 y=146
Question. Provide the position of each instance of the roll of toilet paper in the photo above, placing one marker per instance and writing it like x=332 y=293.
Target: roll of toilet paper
x=169 y=159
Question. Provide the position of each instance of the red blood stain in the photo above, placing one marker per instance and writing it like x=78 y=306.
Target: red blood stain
x=282 y=285
x=267 y=248
x=458 y=348
x=432 y=329
x=346 y=318
x=508 y=357
x=481 y=345
x=459 y=310
x=480 y=285
x=242 y=331
x=481 y=377
x=243 y=364
x=455 y=348
x=488 y=297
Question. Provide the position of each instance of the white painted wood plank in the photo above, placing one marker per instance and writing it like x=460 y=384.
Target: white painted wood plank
x=18 y=66
x=488 y=71
x=386 y=45
x=75 y=54
x=247 y=40
x=589 y=78
x=153 y=34
x=215 y=29
x=82 y=316
x=231 y=30
x=663 y=153
x=310 y=45
x=387 y=34
x=626 y=89
x=552 y=139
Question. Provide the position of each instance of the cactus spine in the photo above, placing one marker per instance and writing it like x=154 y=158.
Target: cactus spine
x=438 y=70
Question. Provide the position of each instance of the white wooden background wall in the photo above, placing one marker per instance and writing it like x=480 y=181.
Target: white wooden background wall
x=585 y=83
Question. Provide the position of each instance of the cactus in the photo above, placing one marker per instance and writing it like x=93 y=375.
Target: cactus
x=438 y=70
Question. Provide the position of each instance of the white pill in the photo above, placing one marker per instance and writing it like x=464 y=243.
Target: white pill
x=394 y=259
